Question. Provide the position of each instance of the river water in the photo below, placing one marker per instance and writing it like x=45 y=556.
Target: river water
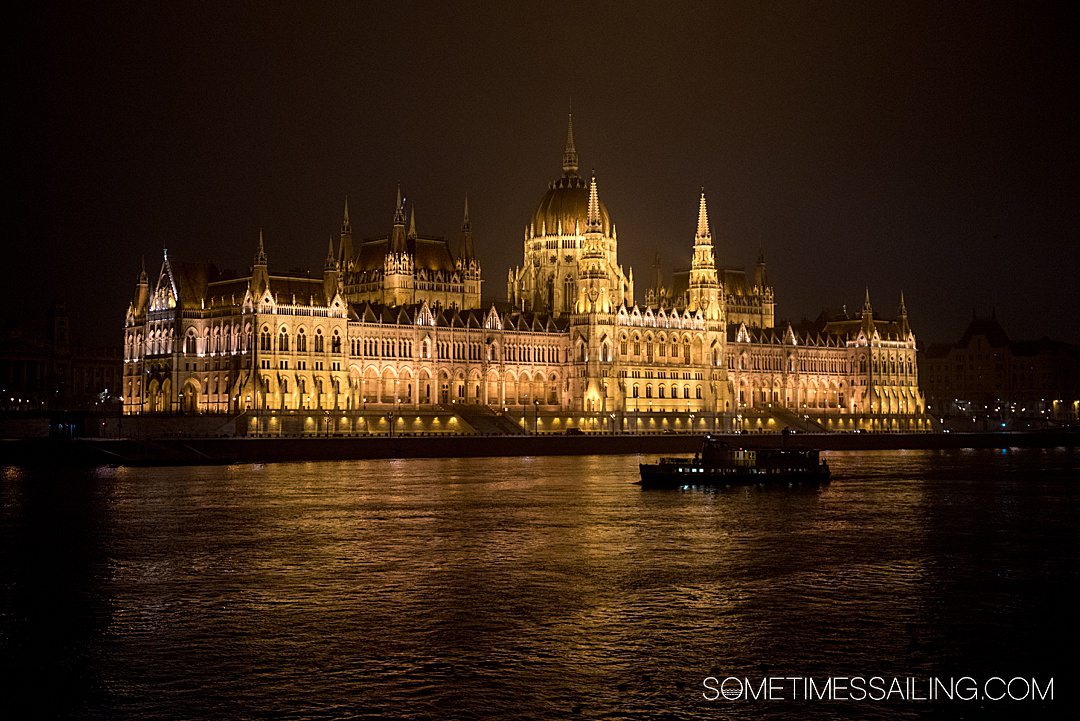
x=527 y=588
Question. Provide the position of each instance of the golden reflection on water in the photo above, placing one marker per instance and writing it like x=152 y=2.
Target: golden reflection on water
x=488 y=586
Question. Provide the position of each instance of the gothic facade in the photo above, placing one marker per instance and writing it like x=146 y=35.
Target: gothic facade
x=396 y=323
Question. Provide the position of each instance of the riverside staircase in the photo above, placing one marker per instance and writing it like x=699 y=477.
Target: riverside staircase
x=485 y=421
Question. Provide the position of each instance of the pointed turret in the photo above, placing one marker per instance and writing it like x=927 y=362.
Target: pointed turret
x=703 y=235
x=345 y=249
x=760 y=278
x=593 y=222
x=412 y=222
x=331 y=273
x=142 y=288
x=570 y=154
x=397 y=235
x=867 y=315
x=399 y=208
x=704 y=292
x=260 y=277
x=902 y=316
x=260 y=252
x=466 y=250
x=331 y=260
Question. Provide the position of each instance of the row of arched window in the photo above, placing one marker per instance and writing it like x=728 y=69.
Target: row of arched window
x=286 y=344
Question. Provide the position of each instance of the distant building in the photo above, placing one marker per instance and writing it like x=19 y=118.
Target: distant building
x=989 y=380
x=41 y=370
x=396 y=322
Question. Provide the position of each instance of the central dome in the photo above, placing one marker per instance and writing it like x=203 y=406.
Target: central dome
x=567 y=202
x=567 y=199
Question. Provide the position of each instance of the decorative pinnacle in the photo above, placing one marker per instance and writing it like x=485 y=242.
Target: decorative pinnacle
x=346 y=226
x=412 y=222
x=593 y=221
x=399 y=208
x=903 y=306
x=570 y=154
x=142 y=270
x=703 y=219
x=331 y=261
x=866 y=303
x=465 y=225
x=260 y=254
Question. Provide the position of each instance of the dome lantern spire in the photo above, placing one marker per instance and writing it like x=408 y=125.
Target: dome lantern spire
x=570 y=154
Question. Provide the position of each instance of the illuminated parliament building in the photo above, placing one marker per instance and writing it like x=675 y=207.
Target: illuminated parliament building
x=394 y=336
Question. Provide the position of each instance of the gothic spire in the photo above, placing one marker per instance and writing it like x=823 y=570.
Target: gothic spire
x=399 y=208
x=903 y=306
x=593 y=222
x=703 y=233
x=570 y=154
x=346 y=226
x=331 y=259
x=260 y=254
x=142 y=271
x=867 y=308
x=412 y=222
x=466 y=250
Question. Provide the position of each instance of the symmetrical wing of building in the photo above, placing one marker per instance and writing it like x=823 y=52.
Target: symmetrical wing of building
x=395 y=325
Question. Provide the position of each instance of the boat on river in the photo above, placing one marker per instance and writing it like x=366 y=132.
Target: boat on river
x=719 y=464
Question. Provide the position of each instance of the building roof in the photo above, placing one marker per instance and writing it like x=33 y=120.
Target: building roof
x=988 y=328
x=430 y=253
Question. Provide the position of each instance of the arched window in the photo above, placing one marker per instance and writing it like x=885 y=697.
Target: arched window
x=648 y=390
x=635 y=390
x=189 y=343
x=301 y=341
x=283 y=340
x=319 y=340
x=699 y=392
x=335 y=342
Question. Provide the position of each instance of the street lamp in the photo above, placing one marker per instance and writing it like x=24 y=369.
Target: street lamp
x=536 y=416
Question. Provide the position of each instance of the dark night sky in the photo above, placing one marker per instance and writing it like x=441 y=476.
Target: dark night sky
x=900 y=145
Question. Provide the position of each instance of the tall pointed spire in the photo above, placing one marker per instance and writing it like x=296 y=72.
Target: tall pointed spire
x=399 y=208
x=345 y=249
x=466 y=249
x=260 y=253
x=593 y=222
x=704 y=290
x=904 y=327
x=142 y=271
x=397 y=235
x=260 y=278
x=331 y=259
x=570 y=154
x=412 y=222
x=867 y=308
x=702 y=235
